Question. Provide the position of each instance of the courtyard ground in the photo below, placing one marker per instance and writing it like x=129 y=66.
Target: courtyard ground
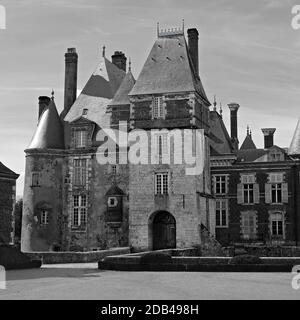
x=84 y=281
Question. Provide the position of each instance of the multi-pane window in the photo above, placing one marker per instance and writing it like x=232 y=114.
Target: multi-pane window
x=80 y=172
x=79 y=211
x=248 y=225
x=162 y=183
x=220 y=185
x=276 y=180
x=221 y=213
x=80 y=138
x=158 y=108
x=44 y=217
x=35 y=179
x=277 y=224
x=248 y=188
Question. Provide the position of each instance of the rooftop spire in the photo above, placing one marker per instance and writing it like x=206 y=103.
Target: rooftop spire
x=215 y=103
x=52 y=95
x=248 y=133
x=129 y=65
x=221 y=110
x=103 y=51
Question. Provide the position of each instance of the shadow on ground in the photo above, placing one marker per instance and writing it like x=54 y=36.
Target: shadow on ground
x=53 y=272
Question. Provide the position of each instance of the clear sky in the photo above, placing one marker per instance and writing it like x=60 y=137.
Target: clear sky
x=249 y=54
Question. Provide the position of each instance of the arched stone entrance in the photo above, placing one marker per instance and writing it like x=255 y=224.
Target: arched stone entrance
x=164 y=231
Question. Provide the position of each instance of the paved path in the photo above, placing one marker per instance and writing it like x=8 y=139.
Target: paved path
x=84 y=281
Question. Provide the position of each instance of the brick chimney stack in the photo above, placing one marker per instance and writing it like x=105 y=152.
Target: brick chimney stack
x=193 y=36
x=43 y=103
x=71 y=61
x=269 y=137
x=234 y=107
x=119 y=59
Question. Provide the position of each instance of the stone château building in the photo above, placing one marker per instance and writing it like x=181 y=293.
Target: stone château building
x=7 y=201
x=72 y=202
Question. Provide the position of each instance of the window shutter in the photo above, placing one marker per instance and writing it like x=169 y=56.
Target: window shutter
x=285 y=194
x=240 y=198
x=268 y=193
x=256 y=192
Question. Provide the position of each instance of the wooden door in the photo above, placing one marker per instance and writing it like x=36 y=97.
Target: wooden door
x=164 y=231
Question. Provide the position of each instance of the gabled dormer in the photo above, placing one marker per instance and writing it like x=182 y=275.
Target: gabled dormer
x=82 y=133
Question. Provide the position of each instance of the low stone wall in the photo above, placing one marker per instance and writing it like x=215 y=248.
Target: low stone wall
x=265 y=251
x=75 y=257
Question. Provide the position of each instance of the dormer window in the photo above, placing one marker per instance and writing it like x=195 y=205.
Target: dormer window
x=158 y=111
x=80 y=138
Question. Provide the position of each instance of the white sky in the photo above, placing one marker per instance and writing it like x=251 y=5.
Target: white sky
x=248 y=54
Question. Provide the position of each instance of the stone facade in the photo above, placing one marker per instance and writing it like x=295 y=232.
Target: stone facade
x=7 y=201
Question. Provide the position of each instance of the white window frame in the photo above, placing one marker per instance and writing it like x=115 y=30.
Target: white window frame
x=223 y=206
x=277 y=187
x=44 y=217
x=248 y=181
x=162 y=183
x=80 y=172
x=79 y=214
x=80 y=137
x=158 y=110
x=274 y=218
x=216 y=182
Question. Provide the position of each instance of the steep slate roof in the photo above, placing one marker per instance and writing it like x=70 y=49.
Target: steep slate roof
x=168 y=69
x=250 y=155
x=121 y=97
x=219 y=138
x=248 y=143
x=49 y=133
x=5 y=171
x=97 y=93
x=294 y=148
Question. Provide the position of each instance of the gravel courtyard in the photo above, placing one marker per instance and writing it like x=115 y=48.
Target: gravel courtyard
x=84 y=281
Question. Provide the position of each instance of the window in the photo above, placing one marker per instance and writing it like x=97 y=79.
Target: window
x=277 y=224
x=112 y=202
x=276 y=193
x=248 y=193
x=80 y=138
x=162 y=183
x=162 y=144
x=248 y=225
x=35 y=179
x=220 y=184
x=79 y=211
x=114 y=170
x=158 y=108
x=80 y=172
x=44 y=217
x=221 y=213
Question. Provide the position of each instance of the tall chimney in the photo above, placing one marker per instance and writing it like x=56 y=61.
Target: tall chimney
x=43 y=103
x=234 y=107
x=269 y=137
x=193 y=36
x=71 y=59
x=119 y=59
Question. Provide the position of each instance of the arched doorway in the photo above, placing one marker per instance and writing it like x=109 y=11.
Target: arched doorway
x=164 y=231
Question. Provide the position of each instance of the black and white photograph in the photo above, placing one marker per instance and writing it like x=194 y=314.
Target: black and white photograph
x=150 y=154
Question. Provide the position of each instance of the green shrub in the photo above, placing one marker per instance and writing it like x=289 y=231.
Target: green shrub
x=156 y=257
x=245 y=259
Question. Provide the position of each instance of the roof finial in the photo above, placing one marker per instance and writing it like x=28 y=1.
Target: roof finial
x=129 y=66
x=52 y=95
x=251 y=134
x=157 y=29
x=221 y=110
x=182 y=25
x=215 y=103
x=248 y=132
x=103 y=51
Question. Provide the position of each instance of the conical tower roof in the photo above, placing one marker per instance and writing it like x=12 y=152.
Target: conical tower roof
x=49 y=133
x=248 y=143
x=294 y=148
x=121 y=97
